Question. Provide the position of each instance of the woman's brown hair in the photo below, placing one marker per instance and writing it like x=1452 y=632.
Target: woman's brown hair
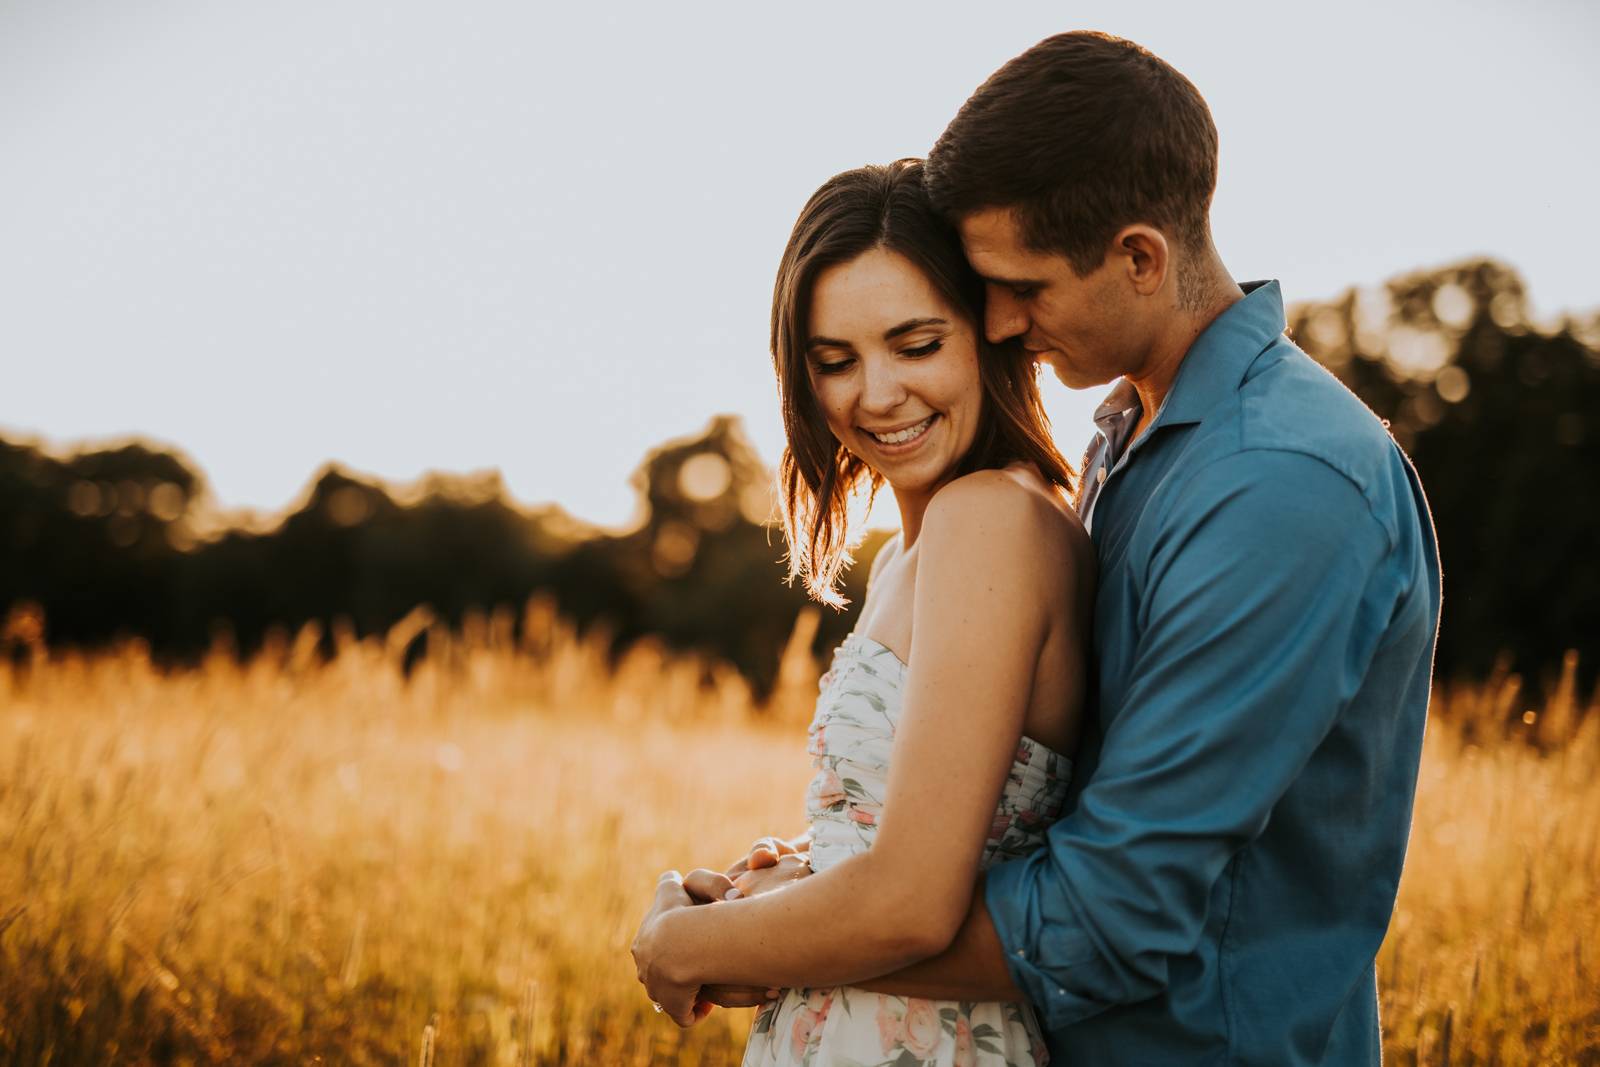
x=855 y=212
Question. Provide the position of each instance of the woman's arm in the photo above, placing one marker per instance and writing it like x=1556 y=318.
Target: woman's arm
x=978 y=625
x=973 y=967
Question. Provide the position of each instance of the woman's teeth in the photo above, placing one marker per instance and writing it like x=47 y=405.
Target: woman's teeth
x=910 y=433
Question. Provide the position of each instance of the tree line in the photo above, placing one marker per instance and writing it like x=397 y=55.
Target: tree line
x=1498 y=413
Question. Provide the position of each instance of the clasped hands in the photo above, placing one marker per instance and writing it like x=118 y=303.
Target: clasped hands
x=770 y=864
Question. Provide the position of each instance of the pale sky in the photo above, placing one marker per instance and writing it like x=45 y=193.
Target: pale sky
x=411 y=236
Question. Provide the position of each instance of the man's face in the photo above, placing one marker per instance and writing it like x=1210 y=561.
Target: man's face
x=1085 y=328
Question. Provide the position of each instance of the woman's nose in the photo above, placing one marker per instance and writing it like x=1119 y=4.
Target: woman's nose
x=881 y=388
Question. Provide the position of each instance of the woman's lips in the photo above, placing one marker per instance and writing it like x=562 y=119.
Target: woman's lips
x=903 y=438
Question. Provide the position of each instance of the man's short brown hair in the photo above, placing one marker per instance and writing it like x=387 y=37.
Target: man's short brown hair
x=1081 y=135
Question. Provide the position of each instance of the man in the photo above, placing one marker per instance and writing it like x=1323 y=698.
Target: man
x=1265 y=618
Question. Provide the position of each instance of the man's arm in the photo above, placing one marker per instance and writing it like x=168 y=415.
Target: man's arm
x=1263 y=602
x=972 y=968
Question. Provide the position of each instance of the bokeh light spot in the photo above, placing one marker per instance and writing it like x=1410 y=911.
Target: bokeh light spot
x=348 y=506
x=674 y=548
x=1373 y=309
x=1452 y=385
x=84 y=499
x=1453 y=306
x=704 y=476
x=1327 y=328
x=166 y=502
x=758 y=503
x=1417 y=353
x=1506 y=310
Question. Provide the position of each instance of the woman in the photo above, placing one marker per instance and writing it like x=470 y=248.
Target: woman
x=940 y=729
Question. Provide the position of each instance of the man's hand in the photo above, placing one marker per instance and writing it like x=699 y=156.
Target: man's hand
x=674 y=998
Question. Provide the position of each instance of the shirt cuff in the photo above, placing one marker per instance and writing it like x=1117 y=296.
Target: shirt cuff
x=1049 y=954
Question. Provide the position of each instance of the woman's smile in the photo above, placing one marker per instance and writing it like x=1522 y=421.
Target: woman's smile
x=902 y=440
x=894 y=369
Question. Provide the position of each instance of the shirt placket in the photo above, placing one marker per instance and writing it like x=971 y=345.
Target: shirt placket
x=1105 y=461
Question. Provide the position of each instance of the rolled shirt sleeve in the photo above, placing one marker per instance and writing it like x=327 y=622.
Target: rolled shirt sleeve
x=1265 y=592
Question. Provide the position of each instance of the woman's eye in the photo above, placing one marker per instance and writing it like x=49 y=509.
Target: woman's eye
x=924 y=350
x=836 y=367
x=1023 y=292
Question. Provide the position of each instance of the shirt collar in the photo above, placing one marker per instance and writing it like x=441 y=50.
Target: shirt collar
x=1118 y=402
x=1218 y=359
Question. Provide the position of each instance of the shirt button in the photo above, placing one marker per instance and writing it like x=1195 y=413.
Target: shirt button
x=1061 y=992
x=1022 y=954
x=1100 y=476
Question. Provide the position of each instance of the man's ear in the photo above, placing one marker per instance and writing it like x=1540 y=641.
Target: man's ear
x=1144 y=254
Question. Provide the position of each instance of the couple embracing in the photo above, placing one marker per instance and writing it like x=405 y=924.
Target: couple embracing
x=1117 y=766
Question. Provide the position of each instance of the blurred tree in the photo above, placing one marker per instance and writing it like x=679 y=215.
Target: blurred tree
x=704 y=568
x=1502 y=419
x=90 y=538
x=113 y=543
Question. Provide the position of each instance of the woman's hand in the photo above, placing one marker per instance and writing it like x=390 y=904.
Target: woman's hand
x=736 y=996
x=771 y=864
x=675 y=996
x=760 y=873
x=779 y=874
x=767 y=851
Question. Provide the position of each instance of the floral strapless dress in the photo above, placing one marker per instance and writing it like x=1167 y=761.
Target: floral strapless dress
x=850 y=738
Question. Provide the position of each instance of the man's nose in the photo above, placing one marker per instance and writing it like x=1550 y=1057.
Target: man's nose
x=1003 y=316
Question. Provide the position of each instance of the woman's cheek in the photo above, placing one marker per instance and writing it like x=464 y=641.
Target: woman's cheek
x=837 y=419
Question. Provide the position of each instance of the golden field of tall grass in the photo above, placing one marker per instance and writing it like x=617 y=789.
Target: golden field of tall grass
x=299 y=861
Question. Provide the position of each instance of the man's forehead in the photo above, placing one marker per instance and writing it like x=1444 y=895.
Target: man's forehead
x=991 y=229
x=993 y=242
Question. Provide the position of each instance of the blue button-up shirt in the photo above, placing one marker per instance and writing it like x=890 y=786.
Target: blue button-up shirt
x=1264 y=628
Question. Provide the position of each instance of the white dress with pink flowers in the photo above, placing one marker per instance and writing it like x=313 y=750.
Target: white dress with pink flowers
x=851 y=736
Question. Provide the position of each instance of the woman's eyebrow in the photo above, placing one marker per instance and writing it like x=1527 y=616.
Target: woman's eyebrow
x=888 y=335
x=911 y=324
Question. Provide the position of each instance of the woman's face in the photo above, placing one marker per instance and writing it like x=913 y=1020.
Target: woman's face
x=894 y=368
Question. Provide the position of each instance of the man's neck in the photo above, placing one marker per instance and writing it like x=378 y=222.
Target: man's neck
x=1154 y=380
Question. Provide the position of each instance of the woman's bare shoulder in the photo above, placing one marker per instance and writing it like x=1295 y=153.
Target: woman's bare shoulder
x=1011 y=508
